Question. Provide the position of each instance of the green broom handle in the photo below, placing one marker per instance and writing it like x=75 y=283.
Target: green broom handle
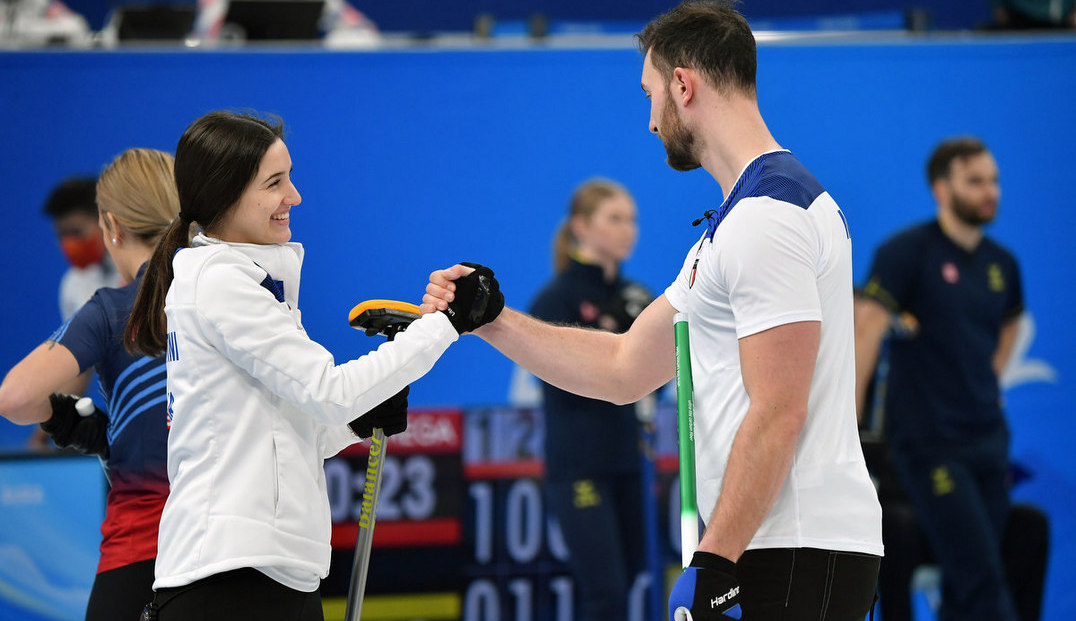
x=685 y=424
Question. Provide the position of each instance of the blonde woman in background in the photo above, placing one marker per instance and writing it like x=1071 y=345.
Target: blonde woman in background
x=593 y=462
x=137 y=200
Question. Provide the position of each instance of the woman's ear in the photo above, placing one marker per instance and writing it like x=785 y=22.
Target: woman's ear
x=578 y=227
x=113 y=230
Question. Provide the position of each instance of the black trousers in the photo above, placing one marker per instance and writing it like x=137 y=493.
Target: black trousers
x=806 y=584
x=239 y=595
x=961 y=498
x=602 y=522
x=120 y=594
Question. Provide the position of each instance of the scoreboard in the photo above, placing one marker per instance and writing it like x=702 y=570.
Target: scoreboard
x=462 y=530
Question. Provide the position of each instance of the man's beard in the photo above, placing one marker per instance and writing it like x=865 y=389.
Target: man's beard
x=679 y=141
x=970 y=213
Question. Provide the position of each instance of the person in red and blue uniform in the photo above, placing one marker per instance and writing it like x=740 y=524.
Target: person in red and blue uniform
x=137 y=198
x=593 y=461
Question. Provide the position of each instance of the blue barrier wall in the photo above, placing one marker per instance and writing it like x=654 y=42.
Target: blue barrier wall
x=408 y=161
x=50 y=515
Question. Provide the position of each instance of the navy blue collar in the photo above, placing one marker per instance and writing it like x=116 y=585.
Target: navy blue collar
x=714 y=217
x=589 y=271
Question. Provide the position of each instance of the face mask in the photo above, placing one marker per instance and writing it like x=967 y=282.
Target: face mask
x=83 y=252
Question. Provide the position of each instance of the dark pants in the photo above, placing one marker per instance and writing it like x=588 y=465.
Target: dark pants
x=602 y=522
x=1025 y=549
x=806 y=584
x=240 y=595
x=120 y=594
x=961 y=497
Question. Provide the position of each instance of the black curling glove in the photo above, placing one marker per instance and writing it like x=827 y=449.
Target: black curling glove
x=390 y=415
x=67 y=428
x=478 y=300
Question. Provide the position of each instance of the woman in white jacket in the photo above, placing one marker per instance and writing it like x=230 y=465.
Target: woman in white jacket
x=254 y=405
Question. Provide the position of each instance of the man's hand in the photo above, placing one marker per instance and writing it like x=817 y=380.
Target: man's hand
x=390 y=416
x=68 y=428
x=707 y=590
x=468 y=293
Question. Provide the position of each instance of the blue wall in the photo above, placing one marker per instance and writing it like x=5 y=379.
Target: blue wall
x=408 y=161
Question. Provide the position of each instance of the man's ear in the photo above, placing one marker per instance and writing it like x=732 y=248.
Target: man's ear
x=684 y=81
x=941 y=190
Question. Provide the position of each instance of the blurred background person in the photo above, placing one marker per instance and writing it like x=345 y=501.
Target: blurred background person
x=341 y=22
x=1025 y=541
x=961 y=294
x=1034 y=14
x=593 y=468
x=72 y=207
x=138 y=201
x=42 y=22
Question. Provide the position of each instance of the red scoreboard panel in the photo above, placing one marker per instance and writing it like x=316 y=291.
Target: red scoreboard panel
x=414 y=510
x=462 y=530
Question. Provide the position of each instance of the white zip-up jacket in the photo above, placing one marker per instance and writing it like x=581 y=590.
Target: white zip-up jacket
x=255 y=407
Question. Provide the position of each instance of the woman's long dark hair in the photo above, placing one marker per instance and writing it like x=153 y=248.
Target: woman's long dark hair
x=216 y=158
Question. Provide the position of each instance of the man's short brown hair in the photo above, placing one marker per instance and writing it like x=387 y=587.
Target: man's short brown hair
x=941 y=161
x=709 y=36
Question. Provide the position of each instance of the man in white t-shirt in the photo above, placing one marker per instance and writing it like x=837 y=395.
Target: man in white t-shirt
x=794 y=525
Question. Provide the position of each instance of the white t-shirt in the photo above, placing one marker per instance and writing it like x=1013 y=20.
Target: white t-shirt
x=782 y=254
x=79 y=284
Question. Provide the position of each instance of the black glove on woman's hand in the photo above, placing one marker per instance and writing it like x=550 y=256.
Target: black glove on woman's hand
x=478 y=300
x=86 y=434
x=390 y=415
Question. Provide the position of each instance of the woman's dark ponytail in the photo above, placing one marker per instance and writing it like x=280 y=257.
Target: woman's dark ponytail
x=147 y=327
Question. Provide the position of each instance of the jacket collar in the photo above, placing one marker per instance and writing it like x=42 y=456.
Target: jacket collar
x=283 y=262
